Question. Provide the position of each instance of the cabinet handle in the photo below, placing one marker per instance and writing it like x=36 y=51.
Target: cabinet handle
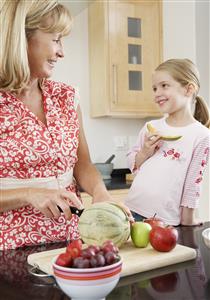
x=114 y=68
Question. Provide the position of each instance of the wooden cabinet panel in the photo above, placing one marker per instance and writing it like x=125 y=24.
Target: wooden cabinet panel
x=125 y=46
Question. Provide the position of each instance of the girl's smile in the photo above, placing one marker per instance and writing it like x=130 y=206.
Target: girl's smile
x=161 y=102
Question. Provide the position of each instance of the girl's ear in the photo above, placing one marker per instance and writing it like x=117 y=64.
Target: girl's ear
x=190 y=89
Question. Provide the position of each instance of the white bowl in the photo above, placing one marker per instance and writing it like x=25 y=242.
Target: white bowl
x=206 y=236
x=87 y=284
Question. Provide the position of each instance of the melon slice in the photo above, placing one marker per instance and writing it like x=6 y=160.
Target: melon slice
x=153 y=130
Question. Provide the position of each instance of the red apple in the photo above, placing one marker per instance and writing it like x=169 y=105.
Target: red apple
x=165 y=283
x=163 y=239
x=154 y=221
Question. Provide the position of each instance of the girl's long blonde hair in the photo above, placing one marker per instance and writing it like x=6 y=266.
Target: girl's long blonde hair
x=18 y=20
x=185 y=72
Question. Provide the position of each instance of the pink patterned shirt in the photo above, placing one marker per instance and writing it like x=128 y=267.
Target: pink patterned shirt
x=172 y=177
x=30 y=149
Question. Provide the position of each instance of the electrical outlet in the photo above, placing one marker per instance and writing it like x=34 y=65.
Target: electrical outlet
x=121 y=143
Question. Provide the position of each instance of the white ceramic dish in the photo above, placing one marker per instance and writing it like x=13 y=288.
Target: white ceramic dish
x=87 y=284
x=206 y=236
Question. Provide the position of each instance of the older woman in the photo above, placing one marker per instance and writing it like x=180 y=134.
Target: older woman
x=43 y=150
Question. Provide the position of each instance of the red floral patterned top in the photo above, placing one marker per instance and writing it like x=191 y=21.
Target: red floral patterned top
x=31 y=149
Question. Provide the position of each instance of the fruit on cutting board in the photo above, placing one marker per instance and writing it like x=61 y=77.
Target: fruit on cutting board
x=154 y=221
x=104 y=221
x=92 y=256
x=163 y=239
x=140 y=234
x=153 y=130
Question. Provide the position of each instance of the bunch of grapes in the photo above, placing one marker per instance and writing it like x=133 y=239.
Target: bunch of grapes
x=95 y=256
x=91 y=257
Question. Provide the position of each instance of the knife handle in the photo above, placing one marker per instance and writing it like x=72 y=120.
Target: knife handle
x=74 y=210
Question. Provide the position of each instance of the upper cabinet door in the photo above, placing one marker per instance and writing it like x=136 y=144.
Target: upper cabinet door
x=125 y=45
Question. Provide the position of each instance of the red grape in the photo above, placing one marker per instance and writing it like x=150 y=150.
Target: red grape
x=87 y=253
x=93 y=262
x=95 y=248
x=100 y=260
x=80 y=262
x=109 y=247
x=110 y=258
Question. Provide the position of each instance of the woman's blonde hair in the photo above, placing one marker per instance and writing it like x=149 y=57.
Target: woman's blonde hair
x=18 y=20
x=185 y=72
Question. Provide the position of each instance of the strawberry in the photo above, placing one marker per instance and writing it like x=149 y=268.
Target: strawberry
x=76 y=244
x=74 y=248
x=73 y=252
x=64 y=260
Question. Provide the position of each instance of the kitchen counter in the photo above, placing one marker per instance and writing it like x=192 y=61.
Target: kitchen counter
x=118 y=180
x=117 y=183
x=188 y=281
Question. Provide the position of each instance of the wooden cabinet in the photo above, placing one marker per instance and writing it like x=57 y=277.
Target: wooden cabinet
x=125 y=46
x=117 y=195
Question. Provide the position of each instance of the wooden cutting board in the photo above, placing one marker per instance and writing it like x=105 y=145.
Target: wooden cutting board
x=135 y=260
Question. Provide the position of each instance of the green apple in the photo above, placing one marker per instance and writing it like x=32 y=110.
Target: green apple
x=140 y=234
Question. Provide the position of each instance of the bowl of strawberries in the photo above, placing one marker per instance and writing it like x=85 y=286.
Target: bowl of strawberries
x=88 y=272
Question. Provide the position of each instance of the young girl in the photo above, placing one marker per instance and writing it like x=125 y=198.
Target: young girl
x=169 y=172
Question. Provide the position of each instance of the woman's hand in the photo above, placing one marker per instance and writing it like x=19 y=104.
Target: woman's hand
x=48 y=200
x=126 y=210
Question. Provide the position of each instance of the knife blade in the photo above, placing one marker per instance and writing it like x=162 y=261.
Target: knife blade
x=74 y=210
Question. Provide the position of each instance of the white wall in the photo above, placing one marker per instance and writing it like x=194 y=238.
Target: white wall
x=179 y=29
x=203 y=63
x=180 y=34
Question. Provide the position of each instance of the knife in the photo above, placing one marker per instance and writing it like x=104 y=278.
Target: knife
x=74 y=210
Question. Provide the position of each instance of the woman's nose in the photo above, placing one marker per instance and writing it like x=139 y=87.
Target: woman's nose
x=60 y=52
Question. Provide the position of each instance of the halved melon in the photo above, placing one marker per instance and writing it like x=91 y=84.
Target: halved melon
x=104 y=221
